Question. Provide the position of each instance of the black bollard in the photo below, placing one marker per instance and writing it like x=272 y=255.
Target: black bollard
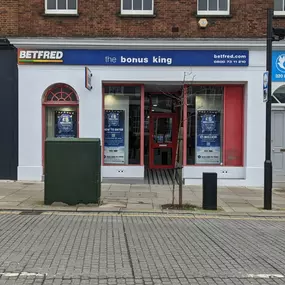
x=210 y=191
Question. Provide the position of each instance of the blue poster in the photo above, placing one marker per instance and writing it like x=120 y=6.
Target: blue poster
x=208 y=144
x=114 y=139
x=65 y=124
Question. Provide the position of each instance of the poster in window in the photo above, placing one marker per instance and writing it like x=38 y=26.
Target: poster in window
x=65 y=124
x=208 y=148
x=114 y=139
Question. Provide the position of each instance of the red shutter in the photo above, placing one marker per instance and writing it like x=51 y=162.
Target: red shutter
x=233 y=125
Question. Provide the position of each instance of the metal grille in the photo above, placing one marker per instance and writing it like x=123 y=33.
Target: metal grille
x=160 y=176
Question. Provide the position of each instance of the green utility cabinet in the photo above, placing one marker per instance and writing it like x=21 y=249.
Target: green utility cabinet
x=72 y=171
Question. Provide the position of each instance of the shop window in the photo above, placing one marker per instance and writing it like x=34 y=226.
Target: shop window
x=278 y=97
x=61 y=6
x=279 y=8
x=61 y=112
x=205 y=125
x=213 y=7
x=122 y=124
x=215 y=125
x=137 y=7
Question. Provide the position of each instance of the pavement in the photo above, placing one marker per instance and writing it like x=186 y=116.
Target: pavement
x=77 y=248
x=148 y=198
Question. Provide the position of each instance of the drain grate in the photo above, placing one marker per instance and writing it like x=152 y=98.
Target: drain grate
x=34 y=213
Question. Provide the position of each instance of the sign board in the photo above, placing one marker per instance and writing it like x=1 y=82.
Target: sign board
x=136 y=57
x=265 y=86
x=88 y=76
x=278 y=66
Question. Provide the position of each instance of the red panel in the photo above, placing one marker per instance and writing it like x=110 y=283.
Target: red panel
x=233 y=125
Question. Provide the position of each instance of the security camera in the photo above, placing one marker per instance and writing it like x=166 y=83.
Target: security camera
x=278 y=34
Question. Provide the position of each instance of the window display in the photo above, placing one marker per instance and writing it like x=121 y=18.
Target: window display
x=122 y=124
x=205 y=125
x=61 y=122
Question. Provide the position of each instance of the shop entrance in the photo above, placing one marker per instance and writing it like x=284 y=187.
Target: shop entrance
x=162 y=129
x=162 y=141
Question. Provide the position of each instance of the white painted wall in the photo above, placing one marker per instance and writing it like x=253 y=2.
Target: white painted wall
x=33 y=80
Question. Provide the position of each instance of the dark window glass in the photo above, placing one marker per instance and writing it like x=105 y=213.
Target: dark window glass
x=127 y=4
x=213 y=5
x=72 y=4
x=51 y=4
x=278 y=5
x=137 y=4
x=223 y=5
x=202 y=5
x=280 y=97
x=147 y=4
x=62 y=4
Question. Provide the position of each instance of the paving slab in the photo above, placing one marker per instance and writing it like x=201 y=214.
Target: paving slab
x=10 y=203
x=140 y=207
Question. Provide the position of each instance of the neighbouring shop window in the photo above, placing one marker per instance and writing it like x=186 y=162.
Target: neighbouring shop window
x=61 y=6
x=217 y=7
x=278 y=96
x=137 y=7
x=205 y=125
x=122 y=128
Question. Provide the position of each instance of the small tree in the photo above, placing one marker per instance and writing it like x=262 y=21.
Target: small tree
x=181 y=100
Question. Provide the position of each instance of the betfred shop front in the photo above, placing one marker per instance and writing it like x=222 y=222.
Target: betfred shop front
x=136 y=101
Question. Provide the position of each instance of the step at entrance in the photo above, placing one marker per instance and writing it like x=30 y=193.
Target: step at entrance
x=160 y=176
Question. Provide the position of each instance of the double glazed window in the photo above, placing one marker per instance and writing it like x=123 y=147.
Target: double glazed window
x=279 y=7
x=61 y=6
x=140 y=7
x=213 y=7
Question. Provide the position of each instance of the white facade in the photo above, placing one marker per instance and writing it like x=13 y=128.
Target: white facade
x=34 y=79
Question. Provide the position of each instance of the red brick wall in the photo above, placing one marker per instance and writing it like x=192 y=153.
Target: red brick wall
x=99 y=18
x=8 y=17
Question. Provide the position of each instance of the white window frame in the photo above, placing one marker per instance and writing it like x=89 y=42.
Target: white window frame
x=280 y=13
x=136 y=12
x=213 y=12
x=61 y=11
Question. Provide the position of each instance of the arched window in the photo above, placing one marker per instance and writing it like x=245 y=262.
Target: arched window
x=60 y=93
x=278 y=97
x=60 y=113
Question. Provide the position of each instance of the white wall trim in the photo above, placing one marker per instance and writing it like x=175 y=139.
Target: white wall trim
x=121 y=43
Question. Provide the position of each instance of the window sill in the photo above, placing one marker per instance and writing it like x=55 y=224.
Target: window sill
x=136 y=15
x=213 y=16
x=60 y=15
x=279 y=16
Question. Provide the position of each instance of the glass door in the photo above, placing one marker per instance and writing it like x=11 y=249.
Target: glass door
x=163 y=141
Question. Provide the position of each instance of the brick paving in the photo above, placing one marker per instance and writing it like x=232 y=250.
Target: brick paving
x=97 y=248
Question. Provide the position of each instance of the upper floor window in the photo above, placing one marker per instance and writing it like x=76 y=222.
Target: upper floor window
x=213 y=7
x=61 y=6
x=137 y=7
x=279 y=7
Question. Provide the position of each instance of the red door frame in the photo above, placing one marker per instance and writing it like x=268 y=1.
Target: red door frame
x=153 y=145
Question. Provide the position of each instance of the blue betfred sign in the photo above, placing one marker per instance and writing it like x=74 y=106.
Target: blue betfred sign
x=136 y=57
x=278 y=66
